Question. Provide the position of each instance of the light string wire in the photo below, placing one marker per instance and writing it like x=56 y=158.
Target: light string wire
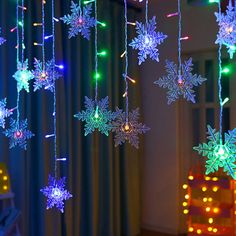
x=96 y=52
x=43 y=35
x=146 y=12
x=179 y=38
x=126 y=63
x=17 y=60
x=22 y=31
x=219 y=81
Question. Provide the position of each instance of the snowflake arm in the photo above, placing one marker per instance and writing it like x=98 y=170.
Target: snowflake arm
x=80 y=20
x=18 y=134
x=96 y=116
x=4 y=112
x=56 y=193
x=128 y=130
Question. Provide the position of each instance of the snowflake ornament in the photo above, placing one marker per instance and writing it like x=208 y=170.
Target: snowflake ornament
x=219 y=153
x=56 y=193
x=96 y=116
x=23 y=76
x=128 y=129
x=227 y=28
x=4 y=112
x=18 y=133
x=180 y=85
x=2 y=40
x=147 y=40
x=45 y=77
x=80 y=20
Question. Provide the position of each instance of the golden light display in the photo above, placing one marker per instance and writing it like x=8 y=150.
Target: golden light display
x=4 y=179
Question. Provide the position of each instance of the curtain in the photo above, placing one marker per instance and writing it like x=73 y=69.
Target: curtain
x=104 y=180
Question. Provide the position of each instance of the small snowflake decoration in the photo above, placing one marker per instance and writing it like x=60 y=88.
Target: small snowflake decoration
x=227 y=29
x=45 y=77
x=128 y=129
x=80 y=20
x=96 y=116
x=56 y=193
x=18 y=133
x=2 y=40
x=4 y=112
x=147 y=40
x=219 y=154
x=23 y=76
x=180 y=85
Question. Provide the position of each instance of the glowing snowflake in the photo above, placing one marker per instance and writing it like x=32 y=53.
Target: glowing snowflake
x=147 y=40
x=22 y=76
x=56 y=193
x=180 y=85
x=128 y=129
x=2 y=40
x=45 y=77
x=80 y=20
x=96 y=116
x=219 y=154
x=4 y=113
x=227 y=29
x=18 y=133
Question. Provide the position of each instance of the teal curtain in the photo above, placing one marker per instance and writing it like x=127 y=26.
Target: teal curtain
x=104 y=180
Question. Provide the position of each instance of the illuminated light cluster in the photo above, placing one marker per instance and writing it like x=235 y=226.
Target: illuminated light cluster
x=45 y=77
x=23 y=76
x=56 y=193
x=80 y=20
x=96 y=116
x=219 y=154
x=128 y=128
x=18 y=133
x=4 y=112
x=180 y=83
x=147 y=40
x=227 y=29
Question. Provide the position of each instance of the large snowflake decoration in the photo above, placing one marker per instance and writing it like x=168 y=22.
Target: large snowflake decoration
x=219 y=154
x=180 y=85
x=147 y=40
x=80 y=20
x=96 y=116
x=23 y=76
x=56 y=193
x=18 y=133
x=2 y=40
x=128 y=129
x=45 y=77
x=227 y=29
x=4 y=112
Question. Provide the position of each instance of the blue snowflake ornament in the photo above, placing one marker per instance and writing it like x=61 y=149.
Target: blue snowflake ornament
x=220 y=154
x=45 y=77
x=147 y=40
x=180 y=84
x=18 y=133
x=96 y=116
x=23 y=76
x=227 y=28
x=2 y=40
x=4 y=112
x=128 y=129
x=80 y=20
x=56 y=193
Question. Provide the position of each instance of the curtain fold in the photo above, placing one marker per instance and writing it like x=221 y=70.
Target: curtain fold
x=104 y=180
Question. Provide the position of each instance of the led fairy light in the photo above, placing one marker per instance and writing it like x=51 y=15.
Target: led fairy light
x=96 y=116
x=148 y=39
x=180 y=80
x=126 y=126
x=55 y=191
x=18 y=133
x=220 y=153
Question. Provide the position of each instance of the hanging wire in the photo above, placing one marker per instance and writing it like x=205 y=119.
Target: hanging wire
x=17 y=60
x=96 y=51
x=146 y=12
x=43 y=34
x=179 y=38
x=22 y=31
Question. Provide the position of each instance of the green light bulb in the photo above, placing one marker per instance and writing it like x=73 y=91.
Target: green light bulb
x=96 y=113
x=225 y=70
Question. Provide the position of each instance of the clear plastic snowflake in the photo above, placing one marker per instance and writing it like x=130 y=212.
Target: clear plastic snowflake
x=45 y=77
x=4 y=112
x=2 y=40
x=128 y=129
x=219 y=153
x=180 y=85
x=80 y=20
x=147 y=40
x=23 y=76
x=96 y=116
x=227 y=29
x=56 y=193
x=18 y=133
